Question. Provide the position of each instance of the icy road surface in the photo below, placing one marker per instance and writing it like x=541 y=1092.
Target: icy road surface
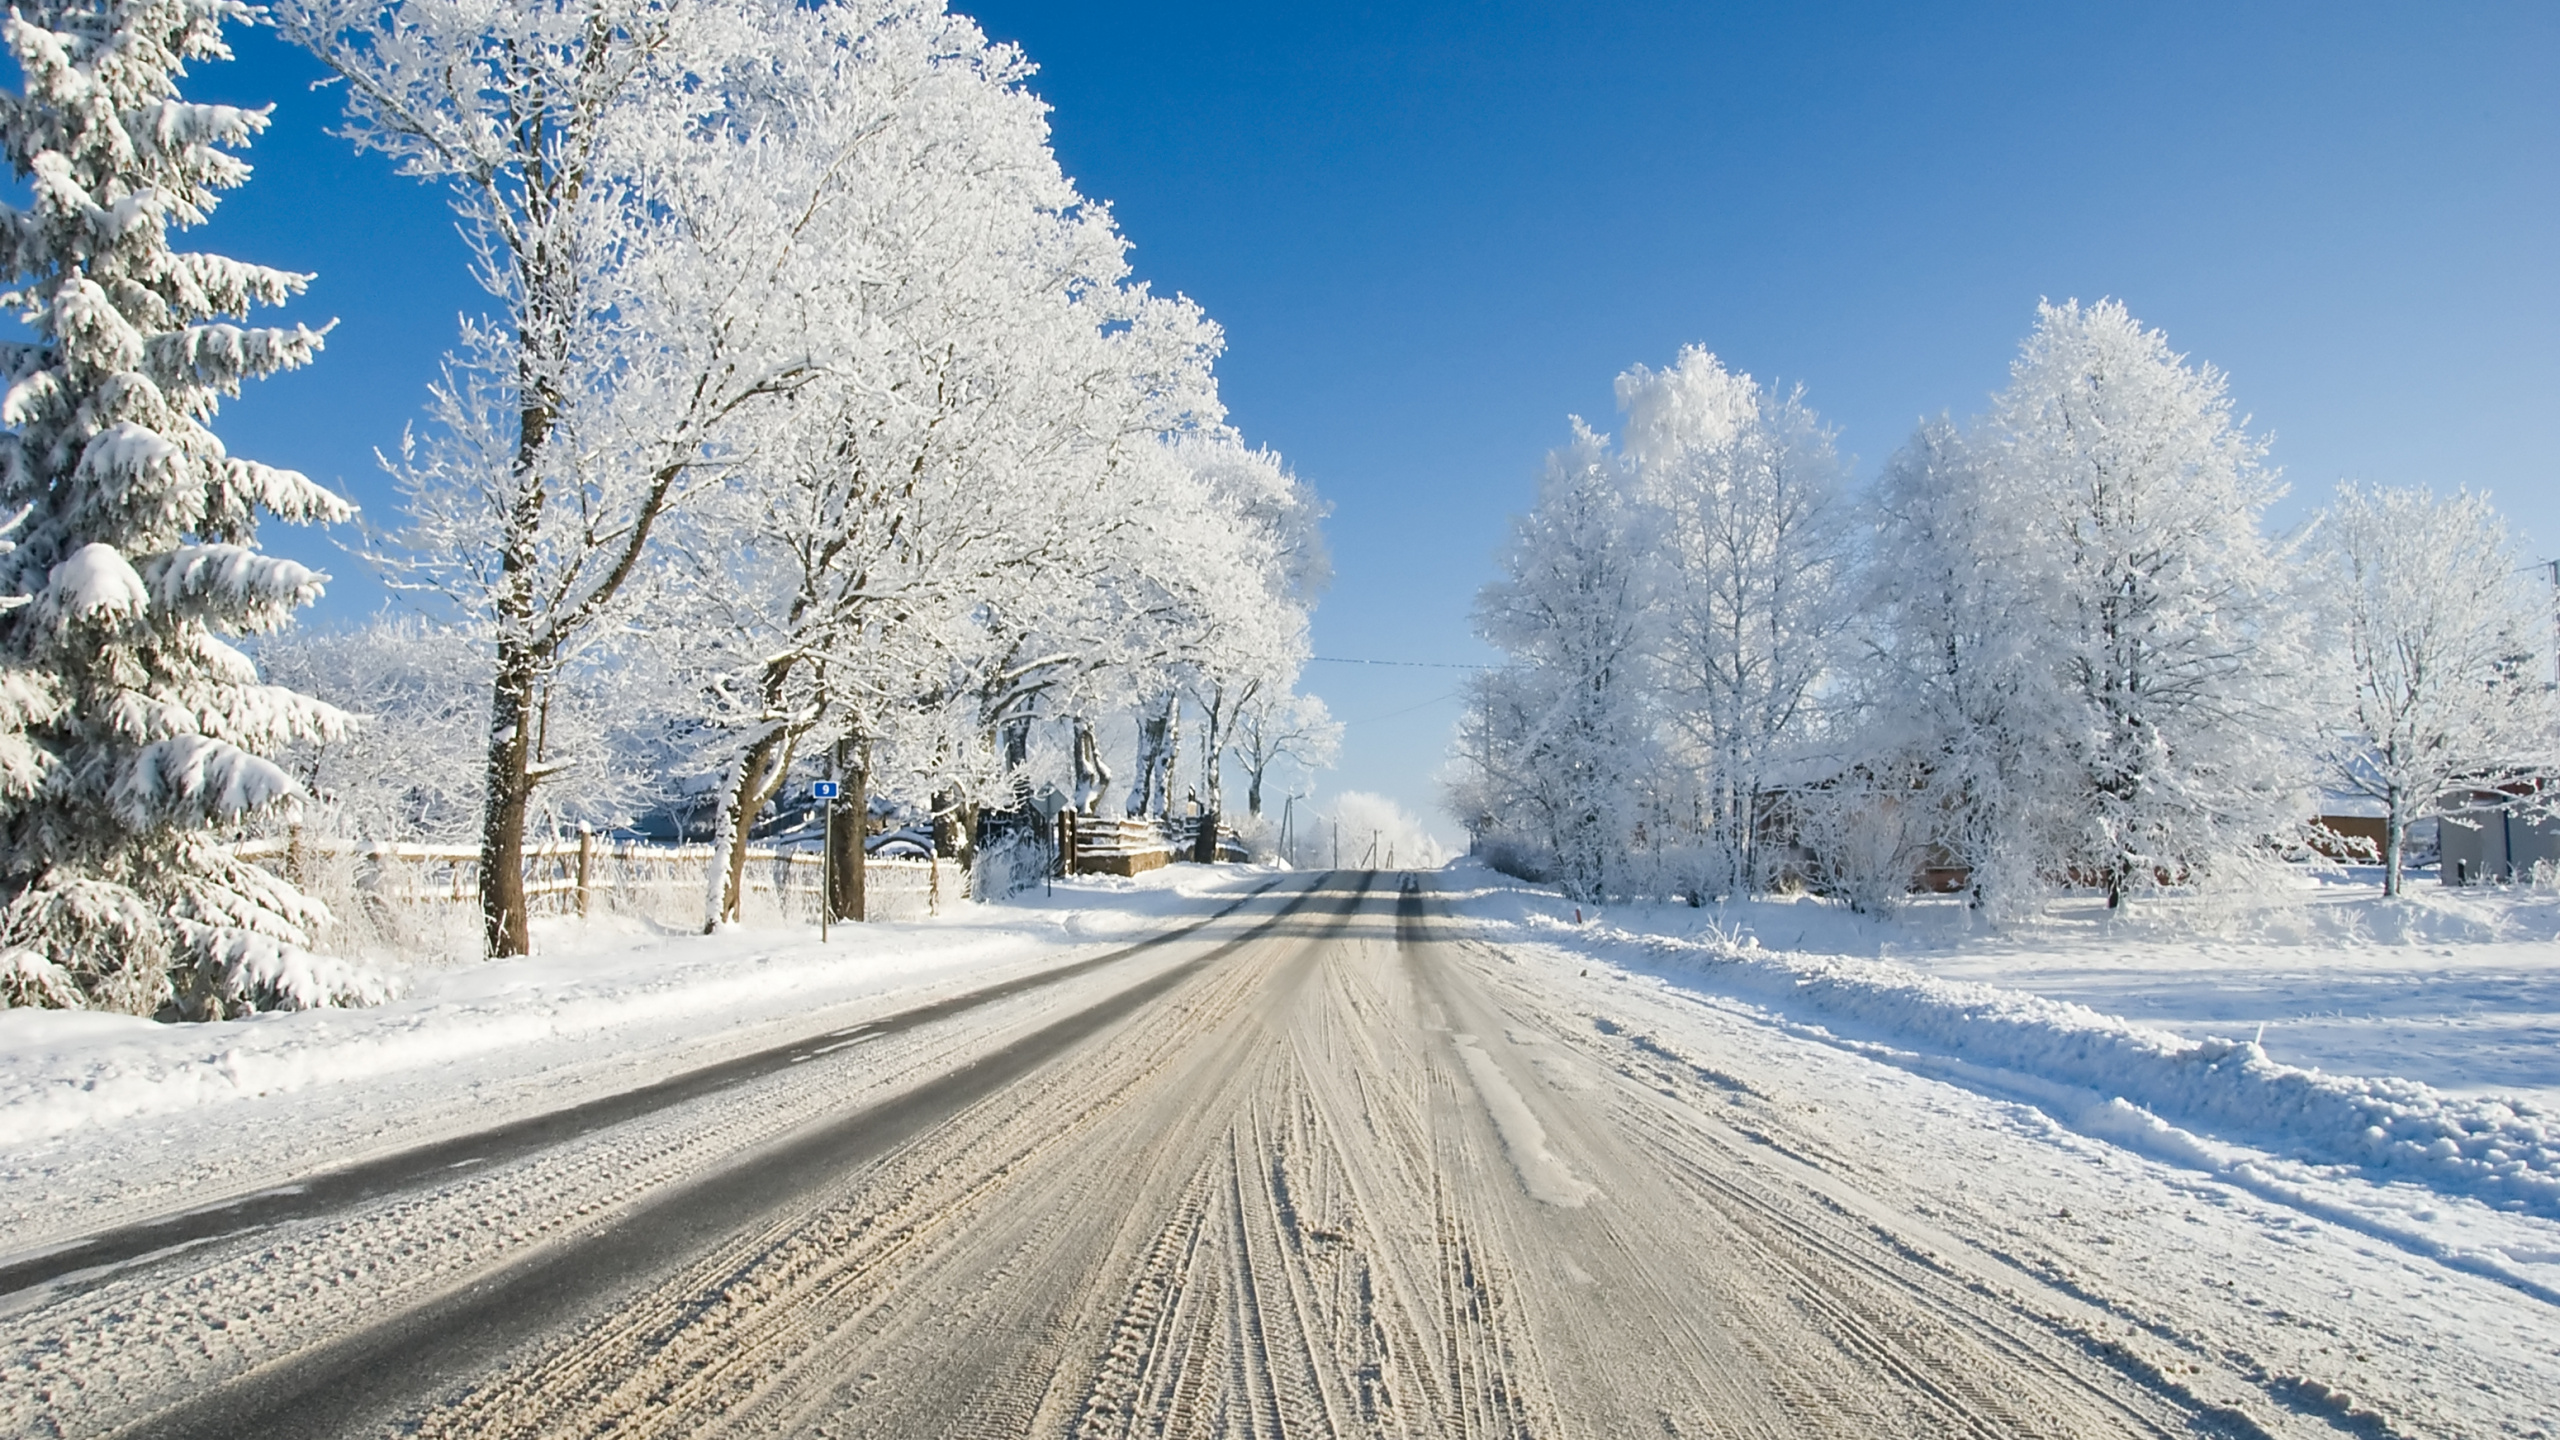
x=1322 y=1166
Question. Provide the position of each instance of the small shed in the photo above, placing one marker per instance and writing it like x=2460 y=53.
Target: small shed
x=2494 y=837
x=2348 y=827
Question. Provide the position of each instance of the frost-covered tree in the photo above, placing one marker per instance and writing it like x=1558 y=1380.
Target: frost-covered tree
x=1746 y=526
x=868 y=552
x=147 y=734
x=641 y=198
x=1375 y=831
x=2087 y=663
x=1952 y=706
x=2161 y=620
x=2440 y=651
x=1282 y=725
x=2072 y=654
x=409 y=770
x=1567 y=741
x=1264 y=538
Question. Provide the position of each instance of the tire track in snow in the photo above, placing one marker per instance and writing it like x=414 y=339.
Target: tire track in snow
x=86 y=1258
x=1292 y=1192
x=469 y=1326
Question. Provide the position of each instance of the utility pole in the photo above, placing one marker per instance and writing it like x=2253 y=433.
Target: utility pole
x=2554 y=567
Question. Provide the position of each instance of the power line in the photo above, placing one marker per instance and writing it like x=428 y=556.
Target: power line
x=1409 y=709
x=1407 y=664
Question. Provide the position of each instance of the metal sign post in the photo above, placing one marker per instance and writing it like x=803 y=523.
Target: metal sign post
x=825 y=793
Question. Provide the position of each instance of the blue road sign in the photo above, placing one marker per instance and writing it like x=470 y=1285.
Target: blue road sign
x=826 y=790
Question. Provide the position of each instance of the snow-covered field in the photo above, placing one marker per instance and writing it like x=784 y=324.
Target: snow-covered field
x=106 y=1117
x=2407 y=1085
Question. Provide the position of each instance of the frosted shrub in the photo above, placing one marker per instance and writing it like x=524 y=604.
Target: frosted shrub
x=1868 y=842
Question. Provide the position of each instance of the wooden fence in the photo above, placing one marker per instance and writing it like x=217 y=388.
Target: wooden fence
x=1132 y=845
x=589 y=874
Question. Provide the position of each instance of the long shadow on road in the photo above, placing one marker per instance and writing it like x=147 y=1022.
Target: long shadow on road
x=375 y=1373
x=95 y=1257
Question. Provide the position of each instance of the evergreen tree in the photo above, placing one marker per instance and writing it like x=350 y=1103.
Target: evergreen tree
x=146 y=732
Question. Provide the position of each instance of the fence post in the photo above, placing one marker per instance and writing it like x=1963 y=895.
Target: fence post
x=586 y=865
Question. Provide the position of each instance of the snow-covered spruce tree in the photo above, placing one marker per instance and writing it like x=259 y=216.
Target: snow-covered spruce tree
x=2440 y=653
x=151 y=733
x=2161 y=618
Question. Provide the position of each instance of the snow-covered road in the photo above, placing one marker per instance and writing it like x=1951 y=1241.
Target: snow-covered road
x=1331 y=1164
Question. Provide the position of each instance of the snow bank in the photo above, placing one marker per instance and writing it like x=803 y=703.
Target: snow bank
x=600 y=993
x=2505 y=1152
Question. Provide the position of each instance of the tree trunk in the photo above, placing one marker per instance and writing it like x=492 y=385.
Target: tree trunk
x=759 y=776
x=1093 y=778
x=724 y=823
x=2394 y=840
x=506 y=927
x=1204 y=845
x=506 y=923
x=852 y=818
x=1155 y=739
x=1213 y=747
x=1172 y=752
x=955 y=836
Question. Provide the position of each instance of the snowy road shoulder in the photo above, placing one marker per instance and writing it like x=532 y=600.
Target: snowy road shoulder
x=2470 y=1181
x=105 y=1118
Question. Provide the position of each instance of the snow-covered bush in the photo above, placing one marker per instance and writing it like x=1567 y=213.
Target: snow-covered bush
x=410 y=769
x=148 y=736
x=414 y=766
x=1516 y=859
x=1868 y=836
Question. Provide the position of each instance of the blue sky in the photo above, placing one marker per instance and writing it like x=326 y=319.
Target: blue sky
x=1433 y=231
